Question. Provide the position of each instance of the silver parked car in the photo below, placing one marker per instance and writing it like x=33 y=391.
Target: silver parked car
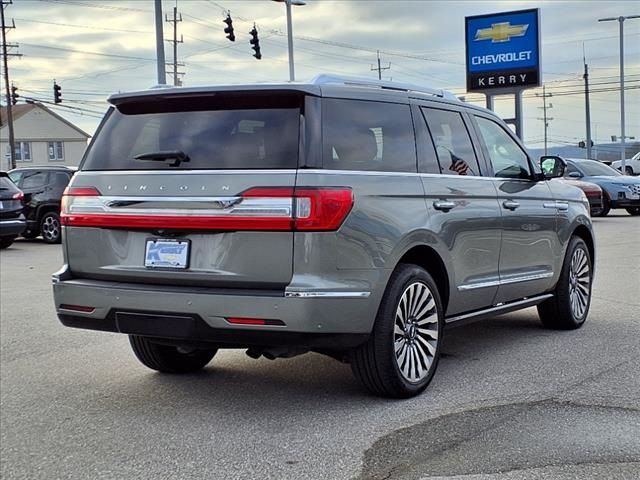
x=349 y=217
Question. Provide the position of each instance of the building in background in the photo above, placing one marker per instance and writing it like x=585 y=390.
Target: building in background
x=42 y=137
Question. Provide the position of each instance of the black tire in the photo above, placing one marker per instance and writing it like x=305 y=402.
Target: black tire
x=376 y=364
x=606 y=208
x=569 y=307
x=30 y=234
x=635 y=211
x=168 y=358
x=6 y=242
x=50 y=228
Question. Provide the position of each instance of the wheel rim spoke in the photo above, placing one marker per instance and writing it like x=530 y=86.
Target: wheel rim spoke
x=579 y=283
x=415 y=332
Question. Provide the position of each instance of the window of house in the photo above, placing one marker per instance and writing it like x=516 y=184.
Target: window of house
x=22 y=151
x=452 y=142
x=56 y=151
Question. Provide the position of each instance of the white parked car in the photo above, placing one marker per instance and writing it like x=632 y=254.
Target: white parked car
x=631 y=165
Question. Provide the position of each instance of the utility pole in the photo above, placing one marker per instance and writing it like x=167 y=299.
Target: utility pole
x=162 y=76
x=379 y=68
x=621 y=19
x=175 y=41
x=544 y=118
x=5 y=57
x=288 y=4
x=586 y=103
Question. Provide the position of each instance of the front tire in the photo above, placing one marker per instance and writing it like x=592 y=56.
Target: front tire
x=50 y=228
x=6 y=242
x=401 y=355
x=569 y=307
x=635 y=211
x=168 y=358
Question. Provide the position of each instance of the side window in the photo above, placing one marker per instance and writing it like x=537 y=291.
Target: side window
x=16 y=177
x=453 y=144
x=570 y=169
x=35 y=179
x=59 y=180
x=372 y=136
x=507 y=158
x=427 y=160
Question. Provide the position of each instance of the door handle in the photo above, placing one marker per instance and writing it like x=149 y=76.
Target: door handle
x=443 y=205
x=510 y=204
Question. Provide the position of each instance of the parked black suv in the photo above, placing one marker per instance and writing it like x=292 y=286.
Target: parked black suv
x=42 y=187
x=12 y=221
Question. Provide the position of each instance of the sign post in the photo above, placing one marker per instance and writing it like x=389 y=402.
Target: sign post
x=503 y=56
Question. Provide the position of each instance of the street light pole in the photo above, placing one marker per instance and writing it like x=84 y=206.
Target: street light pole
x=292 y=74
x=621 y=20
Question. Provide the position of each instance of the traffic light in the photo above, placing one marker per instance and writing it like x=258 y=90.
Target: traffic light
x=57 y=95
x=14 y=94
x=229 y=28
x=255 y=42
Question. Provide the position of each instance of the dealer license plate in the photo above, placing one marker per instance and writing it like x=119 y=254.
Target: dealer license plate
x=166 y=253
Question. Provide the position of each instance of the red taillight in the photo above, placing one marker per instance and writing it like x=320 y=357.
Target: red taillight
x=315 y=209
x=265 y=209
x=18 y=196
x=81 y=192
x=321 y=209
x=66 y=214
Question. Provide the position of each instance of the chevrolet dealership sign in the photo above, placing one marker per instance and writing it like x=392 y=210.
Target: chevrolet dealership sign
x=503 y=50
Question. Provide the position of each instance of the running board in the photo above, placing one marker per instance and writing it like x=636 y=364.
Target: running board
x=497 y=310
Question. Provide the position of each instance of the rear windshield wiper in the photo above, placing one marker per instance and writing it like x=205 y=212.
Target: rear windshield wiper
x=177 y=156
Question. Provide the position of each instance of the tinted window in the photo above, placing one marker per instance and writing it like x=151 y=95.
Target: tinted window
x=59 y=180
x=507 y=158
x=16 y=177
x=7 y=184
x=453 y=144
x=593 y=168
x=359 y=135
x=427 y=159
x=35 y=179
x=229 y=132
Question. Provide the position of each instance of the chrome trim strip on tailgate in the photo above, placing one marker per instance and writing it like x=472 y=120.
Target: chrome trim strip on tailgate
x=231 y=206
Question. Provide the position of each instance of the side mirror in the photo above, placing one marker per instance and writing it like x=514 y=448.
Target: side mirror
x=552 y=166
x=575 y=175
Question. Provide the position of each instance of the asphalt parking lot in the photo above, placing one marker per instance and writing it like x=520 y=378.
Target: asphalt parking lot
x=510 y=400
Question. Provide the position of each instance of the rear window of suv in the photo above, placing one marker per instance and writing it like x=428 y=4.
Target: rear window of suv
x=222 y=131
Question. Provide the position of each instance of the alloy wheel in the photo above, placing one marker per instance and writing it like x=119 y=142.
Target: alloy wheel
x=50 y=228
x=579 y=283
x=415 y=333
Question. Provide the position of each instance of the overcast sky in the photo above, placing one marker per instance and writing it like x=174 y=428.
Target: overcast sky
x=93 y=48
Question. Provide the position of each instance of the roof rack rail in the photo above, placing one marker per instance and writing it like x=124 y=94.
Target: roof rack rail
x=325 y=79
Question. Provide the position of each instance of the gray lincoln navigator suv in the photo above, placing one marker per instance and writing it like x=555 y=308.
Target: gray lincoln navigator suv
x=350 y=217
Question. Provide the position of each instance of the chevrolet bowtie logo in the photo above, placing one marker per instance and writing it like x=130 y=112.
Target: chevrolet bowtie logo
x=501 y=32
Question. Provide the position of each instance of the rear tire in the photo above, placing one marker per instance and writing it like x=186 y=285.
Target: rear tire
x=168 y=358
x=30 y=234
x=635 y=211
x=401 y=355
x=6 y=242
x=569 y=307
x=606 y=208
x=50 y=228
